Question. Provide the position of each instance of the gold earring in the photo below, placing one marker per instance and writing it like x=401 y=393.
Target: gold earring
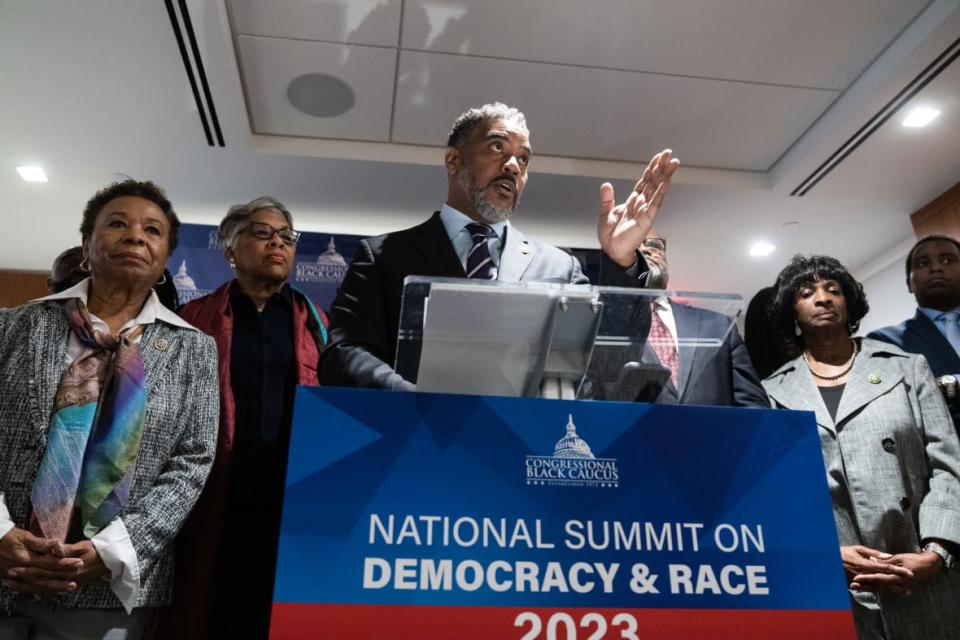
x=85 y=265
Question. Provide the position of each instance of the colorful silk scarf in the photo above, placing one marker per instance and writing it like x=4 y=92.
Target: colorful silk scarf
x=95 y=432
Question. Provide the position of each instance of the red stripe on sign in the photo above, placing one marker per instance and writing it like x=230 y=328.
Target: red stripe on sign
x=358 y=622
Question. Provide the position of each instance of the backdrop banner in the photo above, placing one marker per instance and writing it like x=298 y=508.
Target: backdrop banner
x=414 y=515
x=198 y=265
x=321 y=261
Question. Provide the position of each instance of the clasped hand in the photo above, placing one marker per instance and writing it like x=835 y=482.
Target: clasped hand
x=873 y=570
x=42 y=567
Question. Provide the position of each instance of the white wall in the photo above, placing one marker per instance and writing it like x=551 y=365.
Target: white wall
x=884 y=281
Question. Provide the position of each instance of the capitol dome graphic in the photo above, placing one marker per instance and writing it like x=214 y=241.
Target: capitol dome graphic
x=330 y=267
x=572 y=445
x=182 y=280
x=330 y=256
x=187 y=289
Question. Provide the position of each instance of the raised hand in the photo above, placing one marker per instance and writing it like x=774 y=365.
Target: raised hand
x=621 y=228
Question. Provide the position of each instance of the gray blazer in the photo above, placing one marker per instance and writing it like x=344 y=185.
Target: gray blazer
x=893 y=469
x=179 y=438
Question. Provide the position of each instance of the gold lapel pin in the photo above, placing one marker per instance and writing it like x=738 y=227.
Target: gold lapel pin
x=160 y=344
x=873 y=378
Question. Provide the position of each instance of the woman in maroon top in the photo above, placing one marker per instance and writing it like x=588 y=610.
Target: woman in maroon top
x=269 y=339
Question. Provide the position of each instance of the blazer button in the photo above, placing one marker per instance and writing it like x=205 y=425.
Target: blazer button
x=889 y=445
x=904 y=503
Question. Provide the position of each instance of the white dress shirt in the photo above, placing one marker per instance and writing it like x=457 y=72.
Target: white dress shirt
x=455 y=222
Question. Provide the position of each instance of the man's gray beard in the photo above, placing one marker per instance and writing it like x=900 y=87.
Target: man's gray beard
x=657 y=278
x=488 y=212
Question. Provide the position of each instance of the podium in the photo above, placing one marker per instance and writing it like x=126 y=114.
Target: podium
x=542 y=500
x=545 y=340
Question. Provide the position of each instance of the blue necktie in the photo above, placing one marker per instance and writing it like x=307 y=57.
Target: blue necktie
x=479 y=263
x=951 y=328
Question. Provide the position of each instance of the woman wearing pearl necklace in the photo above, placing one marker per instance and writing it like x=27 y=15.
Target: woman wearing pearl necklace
x=891 y=454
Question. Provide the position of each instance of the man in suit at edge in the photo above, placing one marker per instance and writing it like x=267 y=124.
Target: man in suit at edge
x=933 y=277
x=487 y=156
x=704 y=375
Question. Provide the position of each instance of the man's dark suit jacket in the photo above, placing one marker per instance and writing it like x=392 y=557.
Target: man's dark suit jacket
x=920 y=335
x=715 y=376
x=365 y=315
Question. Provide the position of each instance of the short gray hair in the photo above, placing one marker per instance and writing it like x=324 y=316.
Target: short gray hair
x=236 y=219
x=470 y=119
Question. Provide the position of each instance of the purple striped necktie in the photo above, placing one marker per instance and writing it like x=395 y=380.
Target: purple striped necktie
x=479 y=263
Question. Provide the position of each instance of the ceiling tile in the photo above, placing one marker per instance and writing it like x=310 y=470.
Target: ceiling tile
x=815 y=43
x=374 y=22
x=610 y=115
x=905 y=165
x=269 y=65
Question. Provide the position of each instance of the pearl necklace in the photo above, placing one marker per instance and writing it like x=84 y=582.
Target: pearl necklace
x=846 y=370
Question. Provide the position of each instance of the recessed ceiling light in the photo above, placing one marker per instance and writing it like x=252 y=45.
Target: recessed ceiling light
x=761 y=248
x=32 y=174
x=920 y=117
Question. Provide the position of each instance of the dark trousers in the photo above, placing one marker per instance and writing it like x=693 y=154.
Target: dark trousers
x=248 y=549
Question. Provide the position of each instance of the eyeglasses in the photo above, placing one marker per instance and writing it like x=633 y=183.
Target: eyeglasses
x=264 y=231
x=657 y=244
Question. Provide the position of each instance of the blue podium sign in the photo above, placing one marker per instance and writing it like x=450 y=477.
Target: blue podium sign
x=443 y=516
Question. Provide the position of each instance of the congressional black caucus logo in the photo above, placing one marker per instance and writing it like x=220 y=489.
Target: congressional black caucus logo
x=330 y=267
x=572 y=464
x=213 y=241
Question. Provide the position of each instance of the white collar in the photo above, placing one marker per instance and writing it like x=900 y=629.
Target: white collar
x=151 y=311
x=455 y=220
x=662 y=302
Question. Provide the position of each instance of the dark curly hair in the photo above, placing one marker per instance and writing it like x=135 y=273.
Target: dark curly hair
x=801 y=271
x=130 y=187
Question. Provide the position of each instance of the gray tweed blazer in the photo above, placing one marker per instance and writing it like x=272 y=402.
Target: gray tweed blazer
x=893 y=469
x=179 y=437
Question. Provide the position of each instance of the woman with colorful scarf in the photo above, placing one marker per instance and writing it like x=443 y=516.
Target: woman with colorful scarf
x=108 y=419
x=269 y=338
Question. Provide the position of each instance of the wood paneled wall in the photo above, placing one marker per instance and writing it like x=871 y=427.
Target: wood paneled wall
x=17 y=287
x=941 y=217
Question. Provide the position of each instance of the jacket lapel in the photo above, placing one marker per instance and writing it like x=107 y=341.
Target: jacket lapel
x=925 y=333
x=688 y=326
x=517 y=255
x=433 y=244
x=668 y=395
x=157 y=346
x=796 y=390
x=873 y=375
x=49 y=343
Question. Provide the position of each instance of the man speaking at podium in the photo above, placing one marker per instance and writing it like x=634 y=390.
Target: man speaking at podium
x=487 y=157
